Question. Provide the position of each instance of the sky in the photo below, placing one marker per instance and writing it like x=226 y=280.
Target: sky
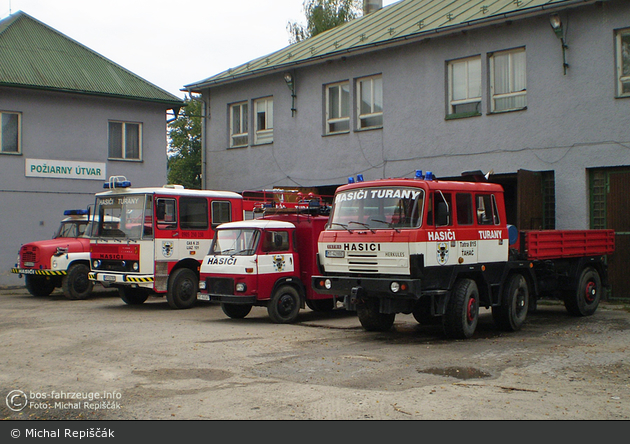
x=170 y=43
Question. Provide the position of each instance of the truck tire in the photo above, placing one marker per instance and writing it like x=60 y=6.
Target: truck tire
x=75 y=283
x=133 y=296
x=371 y=318
x=182 y=288
x=511 y=314
x=284 y=306
x=321 y=304
x=585 y=299
x=462 y=311
x=39 y=285
x=236 y=311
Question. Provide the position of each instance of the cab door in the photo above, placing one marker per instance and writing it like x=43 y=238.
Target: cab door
x=275 y=261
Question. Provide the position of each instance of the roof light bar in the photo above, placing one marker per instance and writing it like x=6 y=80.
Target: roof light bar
x=75 y=212
x=117 y=182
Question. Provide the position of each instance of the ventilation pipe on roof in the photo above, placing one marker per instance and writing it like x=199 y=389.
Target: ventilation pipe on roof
x=370 y=6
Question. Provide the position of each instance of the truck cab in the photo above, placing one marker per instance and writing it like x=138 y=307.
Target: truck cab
x=62 y=261
x=265 y=262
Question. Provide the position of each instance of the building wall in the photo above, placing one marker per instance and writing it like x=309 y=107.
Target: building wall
x=572 y=122
x=72 y=128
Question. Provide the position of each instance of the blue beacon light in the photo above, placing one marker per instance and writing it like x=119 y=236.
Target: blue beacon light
x=359 y=177
x=350 y=179
x=419 y=175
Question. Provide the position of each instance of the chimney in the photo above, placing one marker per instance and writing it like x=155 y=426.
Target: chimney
x=370 y=6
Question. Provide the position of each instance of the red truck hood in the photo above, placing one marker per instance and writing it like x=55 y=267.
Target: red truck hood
x=40 y=252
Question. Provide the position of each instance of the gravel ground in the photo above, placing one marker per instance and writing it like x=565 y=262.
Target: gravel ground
x=150 y=362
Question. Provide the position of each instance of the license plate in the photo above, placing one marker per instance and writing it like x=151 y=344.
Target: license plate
x=29 y=264
x=203 y=297
x=109 y=278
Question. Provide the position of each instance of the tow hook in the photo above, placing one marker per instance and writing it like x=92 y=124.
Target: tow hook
x=356 y=295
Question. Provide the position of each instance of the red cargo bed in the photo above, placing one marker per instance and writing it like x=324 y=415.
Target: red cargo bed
x=554 y=244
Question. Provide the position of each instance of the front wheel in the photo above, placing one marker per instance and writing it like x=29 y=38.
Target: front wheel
x=585 y=299
x=39 y=285
x=236 y=311
x=182 y=288
x=284 y=306
x=321 y=304
x=75 y=283
x=462 y=311
x=133 y=296
x=371 y=318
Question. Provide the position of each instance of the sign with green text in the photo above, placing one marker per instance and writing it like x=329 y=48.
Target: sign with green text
x=64 y=169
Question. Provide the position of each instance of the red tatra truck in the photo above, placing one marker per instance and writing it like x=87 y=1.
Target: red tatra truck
x=63 y=261
x=266 y=262
x=442 y=249
x=163 y=234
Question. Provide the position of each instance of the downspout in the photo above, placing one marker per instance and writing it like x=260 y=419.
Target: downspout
x=205 y=114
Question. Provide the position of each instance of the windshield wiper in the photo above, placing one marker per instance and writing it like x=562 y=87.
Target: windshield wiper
x=389 y=224
x=345 y=227
x=361 y=223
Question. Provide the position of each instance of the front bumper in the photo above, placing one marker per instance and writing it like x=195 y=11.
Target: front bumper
x=373 y=287
x=227 y=298
x=120 y=278
x=32 y=271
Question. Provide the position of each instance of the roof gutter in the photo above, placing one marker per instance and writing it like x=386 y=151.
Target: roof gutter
x=473 y=24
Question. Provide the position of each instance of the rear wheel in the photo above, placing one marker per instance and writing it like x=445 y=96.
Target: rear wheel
x=462 y=311
x=182 y=288
x=39 y=285
x=371 y=318
x=75 y=283
x=511 y=314
x=284 y=306
x=236 y=311
x=585 y=299
x=133 y=296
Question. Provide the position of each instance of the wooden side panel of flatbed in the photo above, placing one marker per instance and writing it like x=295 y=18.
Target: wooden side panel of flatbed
x=557 y=244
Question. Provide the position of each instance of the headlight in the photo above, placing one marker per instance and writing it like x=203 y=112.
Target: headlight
x=241 y=287
x=328 y=284
x=202 y=285
x=335 y=253
x=394 y=287
x=135 y=266
x=96 y=264
x=54 y=263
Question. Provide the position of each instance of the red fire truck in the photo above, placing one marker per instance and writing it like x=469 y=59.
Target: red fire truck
x=63 y=261
x=162 y=236
x=266 y=262
x=441 y=249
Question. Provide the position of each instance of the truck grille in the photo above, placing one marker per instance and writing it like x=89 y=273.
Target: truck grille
x=220 y=285
x=29 y=254
x=363 y=263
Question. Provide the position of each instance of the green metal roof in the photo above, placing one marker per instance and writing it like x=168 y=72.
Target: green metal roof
x=407 y=20
x=34 y=55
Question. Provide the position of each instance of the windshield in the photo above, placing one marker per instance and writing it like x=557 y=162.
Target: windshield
x=72 y=228
x=132 y=212
x=377 y=208
x=237 y=242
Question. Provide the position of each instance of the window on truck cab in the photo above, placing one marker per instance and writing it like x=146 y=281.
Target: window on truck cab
x=166 y=213
x=193 y=213
x=221 y=212
x=440 y=210
x=275 y=241
x=464 y=208
x=487 y=211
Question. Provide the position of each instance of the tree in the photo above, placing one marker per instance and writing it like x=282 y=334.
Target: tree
x=184 y=150
x=322 y=15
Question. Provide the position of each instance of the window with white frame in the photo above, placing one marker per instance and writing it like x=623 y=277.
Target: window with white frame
x=508 y=80
x=125 y=140
x=239 y=117
x=263 y=109
x=623 y=63
x=370 y=102
x=464 y=87
x=338 y=108
x=10 y=132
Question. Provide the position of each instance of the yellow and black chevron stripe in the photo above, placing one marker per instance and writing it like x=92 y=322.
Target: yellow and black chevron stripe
x=138 y=279
x=39 y=272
